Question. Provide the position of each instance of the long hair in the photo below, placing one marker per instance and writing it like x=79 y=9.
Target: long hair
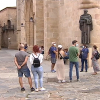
x=95 y=47
x=59 y=49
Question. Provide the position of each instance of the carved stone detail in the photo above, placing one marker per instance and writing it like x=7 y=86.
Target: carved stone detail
x=88 y=4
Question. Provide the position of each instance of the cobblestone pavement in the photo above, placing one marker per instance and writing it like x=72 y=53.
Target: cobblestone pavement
x=88 y=88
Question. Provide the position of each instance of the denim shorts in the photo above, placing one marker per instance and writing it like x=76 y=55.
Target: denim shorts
x=53 y=60
x=24 y=71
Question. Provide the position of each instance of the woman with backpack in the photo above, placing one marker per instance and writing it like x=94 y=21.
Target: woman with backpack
x=36 y=59
x=95 y=63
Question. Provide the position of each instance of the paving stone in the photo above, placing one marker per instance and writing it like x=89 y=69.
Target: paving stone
x=56 y=99
x=87 y=89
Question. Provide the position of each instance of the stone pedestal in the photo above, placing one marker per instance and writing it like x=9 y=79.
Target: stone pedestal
x=0 y=38
x=89 y=58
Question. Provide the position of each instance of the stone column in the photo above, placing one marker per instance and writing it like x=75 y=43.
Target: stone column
x=89 y=58
x=39 y=22
x=0 y=37
x=18 y=22
x=29 y=24
x=23 y=34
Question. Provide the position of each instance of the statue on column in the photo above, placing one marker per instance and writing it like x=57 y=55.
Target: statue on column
x=85 y=27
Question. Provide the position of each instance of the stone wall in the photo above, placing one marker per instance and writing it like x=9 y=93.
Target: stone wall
x=69 y=16
x=69 y=22
x=55 y=21
x=51 y=20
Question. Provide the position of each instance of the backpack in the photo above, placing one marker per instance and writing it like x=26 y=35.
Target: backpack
x=97 y=55
x=80 y=55
x=36 y=61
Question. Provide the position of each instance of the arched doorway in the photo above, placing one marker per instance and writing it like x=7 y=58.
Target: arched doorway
x=9 y=23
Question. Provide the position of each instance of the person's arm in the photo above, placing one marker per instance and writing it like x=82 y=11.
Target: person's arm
x=41 y=58
x=26 y=59
x=31 y=59
x=18 y=66
x=55 y=52
x=88 y=54
x=77 y=53
x=92 y=54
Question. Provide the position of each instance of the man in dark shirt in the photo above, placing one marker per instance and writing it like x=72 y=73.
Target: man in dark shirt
x=85 y=52
x=53 y=56
x=21 y=59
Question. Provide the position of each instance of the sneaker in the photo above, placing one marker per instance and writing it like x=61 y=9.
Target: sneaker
x=63 y=81
x=81 y=71
x=70 y=80
x=78 y=80
x=42 y=89
x=53 y=71
x=36 y=90
x=32 y=89
x=23 y=89
x=59 y=81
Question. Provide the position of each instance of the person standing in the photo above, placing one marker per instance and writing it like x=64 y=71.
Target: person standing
x=36 y=59
x=66 y=55
x=53 y=52
x=95 y=63
x=41 y=49
x=85 y=53
x=20 y=60
x=60 y=67
x=25 y=47
x=73 y=58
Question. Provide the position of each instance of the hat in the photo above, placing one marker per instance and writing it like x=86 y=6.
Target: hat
x=59 y=46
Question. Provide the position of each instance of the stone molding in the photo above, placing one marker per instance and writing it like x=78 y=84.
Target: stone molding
x=88 y=4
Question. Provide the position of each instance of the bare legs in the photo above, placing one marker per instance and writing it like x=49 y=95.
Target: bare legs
x=52 y=66
x=29 y=81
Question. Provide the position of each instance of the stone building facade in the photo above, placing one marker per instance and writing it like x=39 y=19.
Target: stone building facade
x=8 y=23
x=44 y=21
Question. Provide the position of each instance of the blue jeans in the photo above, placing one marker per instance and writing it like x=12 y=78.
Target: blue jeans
x=71 y=68
x=86 y=66
x=37 y=72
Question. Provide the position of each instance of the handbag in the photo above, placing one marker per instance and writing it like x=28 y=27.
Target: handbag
x=61 y=56
x=80 y=56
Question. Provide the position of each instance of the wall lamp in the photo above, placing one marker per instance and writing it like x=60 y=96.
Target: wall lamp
x=31 y=19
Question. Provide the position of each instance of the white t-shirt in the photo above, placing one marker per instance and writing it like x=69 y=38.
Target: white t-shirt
x=40 y=56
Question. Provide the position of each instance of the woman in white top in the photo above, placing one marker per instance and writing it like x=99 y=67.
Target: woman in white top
x=36 y=59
